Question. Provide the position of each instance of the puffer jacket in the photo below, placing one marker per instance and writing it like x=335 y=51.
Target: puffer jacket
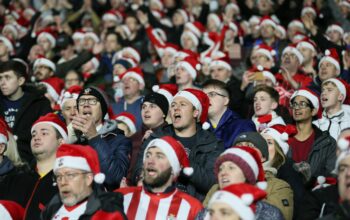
x=230 y=126
x=323 y=154
x=202 y=158
x=100 y=205
x=113 y=150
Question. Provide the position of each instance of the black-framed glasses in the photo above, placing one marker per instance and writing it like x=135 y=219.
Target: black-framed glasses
x=67 y=176
x=300 y=105
x=213 y=94
x=91 y=101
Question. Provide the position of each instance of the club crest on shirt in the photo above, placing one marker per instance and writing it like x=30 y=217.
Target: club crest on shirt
x=87 y=91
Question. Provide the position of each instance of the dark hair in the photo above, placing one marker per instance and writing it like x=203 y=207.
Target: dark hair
x=17 y=67
x=78 y=73
x=269 y=90
x=217 y=84
x=308 y=102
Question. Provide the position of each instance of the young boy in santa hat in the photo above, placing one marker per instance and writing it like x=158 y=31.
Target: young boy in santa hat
x=334 y=118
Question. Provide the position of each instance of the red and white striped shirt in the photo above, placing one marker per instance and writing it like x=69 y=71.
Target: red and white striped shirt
x=140 y=204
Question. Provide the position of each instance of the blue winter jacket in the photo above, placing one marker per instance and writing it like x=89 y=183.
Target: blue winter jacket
x=113 y=150
x=230 y=126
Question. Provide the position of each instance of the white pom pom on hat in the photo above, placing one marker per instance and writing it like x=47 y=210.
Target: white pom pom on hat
x=343 y=144
x=99 y=178
x=247 y=198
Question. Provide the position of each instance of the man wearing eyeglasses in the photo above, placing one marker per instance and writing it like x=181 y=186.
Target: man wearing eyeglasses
x=77 y=175
x=225 y=123
x=312 y=149
x=91 y=128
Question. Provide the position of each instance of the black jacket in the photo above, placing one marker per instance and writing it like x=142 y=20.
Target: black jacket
x=202 y=158
x=34 y=105
x=110 y=203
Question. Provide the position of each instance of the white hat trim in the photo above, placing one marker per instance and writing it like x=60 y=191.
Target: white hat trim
x=335 y=28
x=7 y=43
x=194 y=29
x=296 y=52
x=298 y=24
x=308 y=95
x=269 y=75
x=191 y=35
x=277 y=137
x=216 y=19
x=51 y=91
x=109 y=17
x=339 y=85
x=265 y=52
x=133 y=52
x=73 y=96
x=72 y=162
x=167 y=95
x=170 y=50
x=306 y=45
x=246 y=157
x=268 y=22
x=308 y=9
x=4 y=214
x=3 y=139
x=220 y=63
x=192 y=98
x=136 y=76
x=236 y=203
x=45 y=62
x=60 y=130
x=128 y=122
x=49 y=38
x=168 y=150
x=183 y=14
x=331 y=60
x=78 y=36
x=93 y=36
x=188 y=67
x=12 y=28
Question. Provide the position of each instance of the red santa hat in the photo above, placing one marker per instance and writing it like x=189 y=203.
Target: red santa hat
x=282 y=30
x=49 y=36
x=44 y=62
x=195 y=27
x=93 y=36
x=267 y=20
x=185 y=53
x=168 y=90
x=323 y=182
x=191 y=35
x=248 y=160
x=233 y=6
x=309 y=95
x=298 y=36
x=340 y=84
x=199 y=100
x=331 y=55
x=8 y=44
x=113 y=15
x=221 y=61
x=266 y=50
x=54 y=86
x=3 y=132
x=71 y=93
x=344 y=148
x=295 y=51
x=135 y=73
x=335 y=27
x=281 y=133
x=191 y=65
x=254 y=19
x=306 y=43
x=170 y=48
x=10 y=210
x=130 y=52
x=309 y=9
x=128 y=119
x=175 y=152
x=79 y=157
x=296 y=23
x=11 y=28
x=215 y=18
x=266 y=73
x=242 y=198
x=345 y=3
x=159 y=33
x=53 y=120
x=78 y=35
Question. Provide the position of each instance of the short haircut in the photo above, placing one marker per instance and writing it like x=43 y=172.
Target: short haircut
x=17 y=67
x=269 y=90
x=217 y=84
x=78 y=73
x=329 y=82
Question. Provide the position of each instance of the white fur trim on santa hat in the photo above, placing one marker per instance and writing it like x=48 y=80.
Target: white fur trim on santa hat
x=309 y=96
x=93 y=36
x=308 y=9
x=268 y=22
x=4 y=214
x=343 y=144
x=136 y=76
x=164 y=92
x=281 y=139
x=306 y=44
x=247 y=157
x=68 y=96
x=3 y=139
x=233 y=27
x=8 y=44
x=232 y=6
x=45 y=62
x=72 y=162
x=269 y=75
x=49 y=37
x=188 y=67
x=133 y=53
x=192 y=98
x=296 y=23
x=335 y=27
x=12 y=28
x=254 y=19
x=295 y=51
x=78 y=35
x=169 y=151
x=109 y=17
x=215 y=18
x=193 y=29
x=331 y=60
x=343 y=155
x=283 y=32
x=345 y=3
x=183 y=14
x=239 y=205
x=128 y=122
x=51 y=91
x=220 y=63
x=341 y=87
x=191 y=35
x=265 y=52
x=59 y=128
x=95 y=62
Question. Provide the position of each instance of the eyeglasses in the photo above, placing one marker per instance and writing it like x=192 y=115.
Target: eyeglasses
x=301 y=105
x=88 y=101
x=213 y=94
x=67 y=176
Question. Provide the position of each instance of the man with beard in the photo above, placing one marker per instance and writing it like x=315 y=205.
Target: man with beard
x=188 y=111
x=43 y=69
x=76 y=169
x=163 y=160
